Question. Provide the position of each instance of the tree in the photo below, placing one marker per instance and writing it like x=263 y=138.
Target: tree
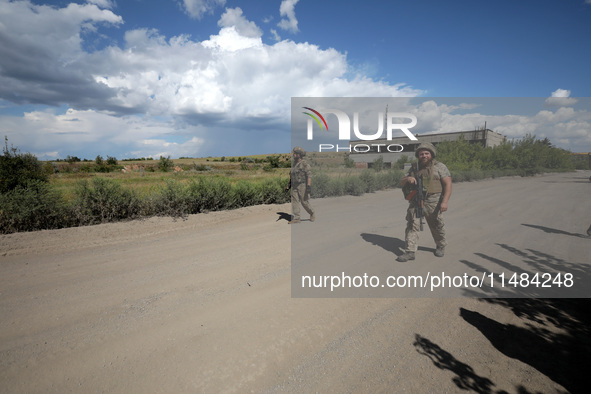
x=165 y=164
x=18 y=169
x=401 y=162
x=378 y=164
x=349 y=163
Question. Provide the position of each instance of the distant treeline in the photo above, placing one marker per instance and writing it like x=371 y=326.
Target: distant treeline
x=73 y=164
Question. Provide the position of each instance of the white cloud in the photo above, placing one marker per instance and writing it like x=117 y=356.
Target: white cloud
x=102 y=3
x=49 y=135
x=565 y=127
x=41 y=52
x=233 y=17
x=173 y=149
x=276 y=36
x=228 y=82
x=289 y=21
x=197 y=8
x=560 y=98
x=229 y=39
x=232 y=72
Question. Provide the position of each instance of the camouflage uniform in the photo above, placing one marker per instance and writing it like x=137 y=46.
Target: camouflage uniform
x=300 y=173
x=431 y=211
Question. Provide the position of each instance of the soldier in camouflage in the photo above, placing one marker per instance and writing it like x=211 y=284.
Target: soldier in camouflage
x=437 y=190
x=300 y=182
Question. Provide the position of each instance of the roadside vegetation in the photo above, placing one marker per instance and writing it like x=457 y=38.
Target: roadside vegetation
x=37 y=195
x=525 y=157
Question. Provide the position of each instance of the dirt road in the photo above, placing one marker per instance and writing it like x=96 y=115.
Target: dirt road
x=205 y=304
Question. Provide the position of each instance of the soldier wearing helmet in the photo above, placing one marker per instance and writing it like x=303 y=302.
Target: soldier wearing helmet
x=437 y=190
x=300 y=182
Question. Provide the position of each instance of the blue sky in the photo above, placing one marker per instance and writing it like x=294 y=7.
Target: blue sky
x=145 y=78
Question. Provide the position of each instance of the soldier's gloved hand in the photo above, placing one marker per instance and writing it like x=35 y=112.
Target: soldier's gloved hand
x=309 y=190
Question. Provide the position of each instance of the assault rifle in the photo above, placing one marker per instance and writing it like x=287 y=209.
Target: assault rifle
x=420 y=199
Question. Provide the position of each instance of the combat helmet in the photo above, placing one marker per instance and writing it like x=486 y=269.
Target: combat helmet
x=299 y=150
x=428 y=146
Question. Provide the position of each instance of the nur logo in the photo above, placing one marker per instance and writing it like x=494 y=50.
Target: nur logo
x=315 y=118
x=345 y=124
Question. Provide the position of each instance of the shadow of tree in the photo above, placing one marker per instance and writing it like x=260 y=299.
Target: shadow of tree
x=540 y=263
x=558 y=346
x=557 y=337
x=550 y=230
x=561 y=352
x=465 y=377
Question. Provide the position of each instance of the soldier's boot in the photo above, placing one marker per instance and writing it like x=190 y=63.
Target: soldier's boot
x=440 y=251
x=312 y=217
x=406 y=257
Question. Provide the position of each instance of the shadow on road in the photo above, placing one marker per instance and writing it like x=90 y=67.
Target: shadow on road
x=560 y=349
x=558 y=346
x=555 y=334
x=549 y=268
x=283 y=216
x=390 y=244
x=550 y=230
x=465 y=377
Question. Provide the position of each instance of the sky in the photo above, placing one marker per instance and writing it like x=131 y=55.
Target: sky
x=199 y=78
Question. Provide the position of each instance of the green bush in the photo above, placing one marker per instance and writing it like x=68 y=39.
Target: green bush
x=348 y=162
x=104 y=200
x=378 y=164
x=400 y=162
x=389 y=179
x=245 y=194
x=369 y=181
x=354 y=186
x=209 y=194
x=528 y=156
x=321 y=185
x=33 y=206
x=172 y=199
x=273 y=191
x=336 y=187
x=201 y=167
x=274 y=161
x=17 y=169
x=165 y=164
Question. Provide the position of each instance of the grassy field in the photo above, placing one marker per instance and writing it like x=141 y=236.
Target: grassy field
x=144 y=176
x=145 y=183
